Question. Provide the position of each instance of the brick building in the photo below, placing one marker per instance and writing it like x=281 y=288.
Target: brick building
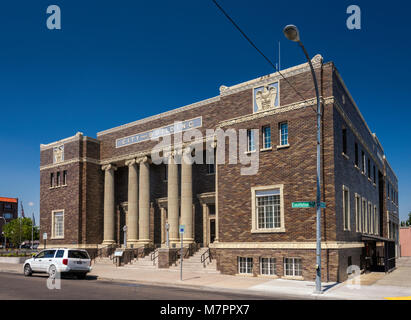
x=91 y=188
x=8 y=211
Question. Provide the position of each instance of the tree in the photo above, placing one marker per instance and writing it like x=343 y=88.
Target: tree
x=20 y=229
x=407 y=222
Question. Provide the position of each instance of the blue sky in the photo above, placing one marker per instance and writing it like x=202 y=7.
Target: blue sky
x=114 y=62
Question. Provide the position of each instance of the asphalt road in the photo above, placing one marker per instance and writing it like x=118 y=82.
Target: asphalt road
x=16 y=286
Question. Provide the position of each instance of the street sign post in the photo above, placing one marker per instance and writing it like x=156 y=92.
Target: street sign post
x=45 y=239
x=182 y=230
x=125 y=236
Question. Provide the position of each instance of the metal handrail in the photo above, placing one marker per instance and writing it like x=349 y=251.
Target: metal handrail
x=100 y=251
x=206 y=255
x=154 y=256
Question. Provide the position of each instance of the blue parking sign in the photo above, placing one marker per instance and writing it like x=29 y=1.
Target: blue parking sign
x=182 y=228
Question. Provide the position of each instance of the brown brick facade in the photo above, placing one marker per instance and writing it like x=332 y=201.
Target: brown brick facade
x=292 y=167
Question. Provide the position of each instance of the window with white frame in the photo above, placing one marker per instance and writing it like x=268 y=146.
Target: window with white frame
x=245 y=265
x=250 y=140
x=363 y=162
x=370 y=219
x=267 y=209
x=283 y=134
x=267 y=266
x=266 y=137
x=58 y=224
x=357 y=213
x=346 y=208
x=364 y=215
x=376 y=221
x=292 y=267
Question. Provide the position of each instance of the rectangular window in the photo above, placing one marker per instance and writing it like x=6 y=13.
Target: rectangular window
x=356 y=154
x=65 y=177
x=51 y=180
x=344 y=140
x=58 y=224
x=58 y=178
x=346 y=208
x=370 y=219
x=376 y=224
x=292 y=267
x=8 y=216
x=364 y=216
x=369 y=168
x=267 y=266
x=245 y=265
x=250 y=140
x=363 y=162
x=266 y=137
x=284 y=134
x=373 y=174
x=165 y=172
x=358 y=213
x=210 y=168
x=268 y=209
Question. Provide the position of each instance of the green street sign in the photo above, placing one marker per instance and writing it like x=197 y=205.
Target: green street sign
x=306 y=204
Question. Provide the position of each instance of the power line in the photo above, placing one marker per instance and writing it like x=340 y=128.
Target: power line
x=259 y=51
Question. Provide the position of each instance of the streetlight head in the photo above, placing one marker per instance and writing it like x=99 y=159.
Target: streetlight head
x=291 y=33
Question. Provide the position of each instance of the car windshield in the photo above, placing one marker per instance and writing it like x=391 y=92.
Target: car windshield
x=78 y=254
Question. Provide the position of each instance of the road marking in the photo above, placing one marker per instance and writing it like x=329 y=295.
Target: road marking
x=398 y=298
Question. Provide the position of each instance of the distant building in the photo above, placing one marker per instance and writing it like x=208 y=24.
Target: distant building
x=405 y=241
x=9 y=211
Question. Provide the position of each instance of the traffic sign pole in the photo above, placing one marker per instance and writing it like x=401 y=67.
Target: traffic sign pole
x=182 y=229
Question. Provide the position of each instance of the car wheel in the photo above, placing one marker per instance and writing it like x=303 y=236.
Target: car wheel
x=52 y=272
x=81 y=275
x=27 y=270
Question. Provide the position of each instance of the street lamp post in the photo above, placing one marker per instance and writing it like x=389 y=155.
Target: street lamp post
x=291 y=33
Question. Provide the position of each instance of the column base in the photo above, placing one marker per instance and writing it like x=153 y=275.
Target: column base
x=132 y=242
x=143 y=242
x=107 y=242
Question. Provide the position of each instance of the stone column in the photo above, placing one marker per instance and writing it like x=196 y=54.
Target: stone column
x=163 y=225
x=205 y=225
x=109 y=209
x=187 y=197
x=144 y=202
x=132 y=214
x=172 y=199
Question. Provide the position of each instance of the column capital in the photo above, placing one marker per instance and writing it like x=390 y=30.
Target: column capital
x=109 y=166
x=143 y=159
x=130 y=162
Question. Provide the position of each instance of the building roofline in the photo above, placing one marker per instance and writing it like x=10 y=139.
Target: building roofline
x=224 y=91
x=6 y=199
x=77 y=136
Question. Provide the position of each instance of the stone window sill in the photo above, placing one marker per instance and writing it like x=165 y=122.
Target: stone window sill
x=345 y=156
x=244 y=275
x=266 y=149
x=210 y=174
x=56 y=238
x=356 y=167
x=250 y=152
x=270 y=276
x=293 y=277
x=57 y=187
x=276 y=230
x=283 y=146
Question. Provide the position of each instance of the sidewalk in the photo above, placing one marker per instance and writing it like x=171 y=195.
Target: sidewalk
x=367 y=286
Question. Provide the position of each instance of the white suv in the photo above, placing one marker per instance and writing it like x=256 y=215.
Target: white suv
x=59 y=260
